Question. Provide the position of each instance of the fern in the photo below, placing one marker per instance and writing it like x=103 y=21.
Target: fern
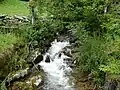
x=113 y=67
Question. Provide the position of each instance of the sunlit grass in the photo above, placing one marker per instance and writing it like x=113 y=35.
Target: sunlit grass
x=7 y=40
x=14 y=7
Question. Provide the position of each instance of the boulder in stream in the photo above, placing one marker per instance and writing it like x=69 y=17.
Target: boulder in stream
x=47 y=59
x=38 y=59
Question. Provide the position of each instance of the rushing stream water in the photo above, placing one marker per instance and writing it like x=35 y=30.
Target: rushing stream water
x=57 y=72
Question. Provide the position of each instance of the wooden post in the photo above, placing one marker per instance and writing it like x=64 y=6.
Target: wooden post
x=33 y=15
x=32 y=4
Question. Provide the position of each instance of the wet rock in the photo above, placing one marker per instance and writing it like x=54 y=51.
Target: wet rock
x=14 y=76
x=39 y=67
x=111 y=85
x=47 y=44
x=59 y=55
x=34 y=44
x=38 y=59
x=73 y=39
x=61 y=38
x=67 y=51
x=33 y=55
x=21 y=86
x=28 y=79
x=47 y=59
x=69 y=62
x=76 y=44
x=73 y=51
x=36 y=80
x=72 y=66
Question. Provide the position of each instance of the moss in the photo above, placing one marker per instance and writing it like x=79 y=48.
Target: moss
x=28 y=82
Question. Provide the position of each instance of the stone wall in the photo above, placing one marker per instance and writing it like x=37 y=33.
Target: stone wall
x=6 y=20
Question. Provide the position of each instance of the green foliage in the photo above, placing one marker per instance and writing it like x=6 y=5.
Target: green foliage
x=95 y=30
x=2 y=86
x=7 y=40
x=89 y=12
x=42 y=30
x=113 y=67
x=10 y=43
x=92 y=52
x=113 y=28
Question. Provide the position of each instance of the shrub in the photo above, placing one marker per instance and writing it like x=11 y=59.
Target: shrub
x=41 y=31
x=92 y=53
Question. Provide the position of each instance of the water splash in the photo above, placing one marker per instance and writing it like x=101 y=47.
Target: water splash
x=57 y=71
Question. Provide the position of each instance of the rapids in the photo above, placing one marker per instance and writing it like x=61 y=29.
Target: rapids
x=57 y=71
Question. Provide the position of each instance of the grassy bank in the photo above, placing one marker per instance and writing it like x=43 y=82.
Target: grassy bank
x=7 y=40
x=14 y=7
x=13 y=51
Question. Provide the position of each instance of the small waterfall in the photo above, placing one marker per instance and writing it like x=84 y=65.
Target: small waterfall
x=56 y=70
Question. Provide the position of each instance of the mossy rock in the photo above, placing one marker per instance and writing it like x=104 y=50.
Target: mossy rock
x=30 y=83
x=21 y=86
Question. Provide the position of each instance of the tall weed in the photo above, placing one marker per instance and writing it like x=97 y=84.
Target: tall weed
x=92 y=53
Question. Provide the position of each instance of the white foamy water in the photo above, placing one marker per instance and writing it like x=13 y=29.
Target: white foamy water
x=57 y=71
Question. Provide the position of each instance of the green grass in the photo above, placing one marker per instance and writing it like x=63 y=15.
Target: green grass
x=14 y=7
x=7 y=40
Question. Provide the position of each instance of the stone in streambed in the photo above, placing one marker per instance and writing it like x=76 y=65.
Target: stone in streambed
x=111 y=85
x=17 y=75
x=67 y=51
x=47 y=59
x=38 y=59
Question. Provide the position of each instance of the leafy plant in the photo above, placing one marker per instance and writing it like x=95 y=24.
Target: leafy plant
x=42 y=30
x=113 y=67
x=92 y=54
